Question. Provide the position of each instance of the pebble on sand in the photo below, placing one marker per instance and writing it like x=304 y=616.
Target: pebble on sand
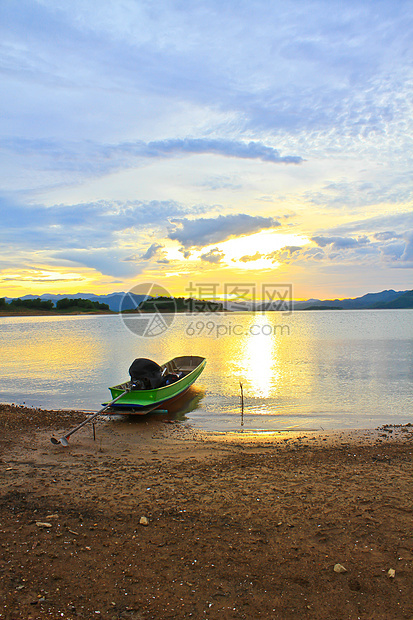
x=339 y=568
x=144 y=521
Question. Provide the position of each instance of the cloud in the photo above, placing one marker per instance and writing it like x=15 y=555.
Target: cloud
x=213 y=256
x=390 y=249
x=373 y=189
x=45 y=280
x=80 y=225
x=87 y=233
x=390 y=239
x=185 y=253
x=340 y=243
x=56 y=158
x=397 y=223
x=206 y=231
x=250 y=258
x=106 y=261
x=155 y=253
x=312 y=70
x=284 y=254
x=407 y=255
x=392 y=252
x=386 y=235
x=217 y=182
x=152 y=251
x=303 y=255
x=226 y=148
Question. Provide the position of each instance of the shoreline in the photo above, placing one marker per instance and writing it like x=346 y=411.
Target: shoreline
x=27 y=313
x=26 y=413
x=158 y=520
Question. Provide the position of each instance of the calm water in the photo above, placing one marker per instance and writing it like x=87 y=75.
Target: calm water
x=310 y=370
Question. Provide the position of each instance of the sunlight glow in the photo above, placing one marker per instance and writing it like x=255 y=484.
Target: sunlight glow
x=260 y=359
x=246 y=252
x=262 y=243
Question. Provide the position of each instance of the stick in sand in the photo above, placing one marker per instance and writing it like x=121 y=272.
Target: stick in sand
x=64 y=440
x=242 y=404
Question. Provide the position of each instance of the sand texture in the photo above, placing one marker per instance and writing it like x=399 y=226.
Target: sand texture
x=154 y=520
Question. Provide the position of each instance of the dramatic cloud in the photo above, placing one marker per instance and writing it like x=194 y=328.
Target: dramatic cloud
x=205 y=231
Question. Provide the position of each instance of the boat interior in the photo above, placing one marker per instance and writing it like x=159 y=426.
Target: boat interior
x=184 y=364
x=146 y=374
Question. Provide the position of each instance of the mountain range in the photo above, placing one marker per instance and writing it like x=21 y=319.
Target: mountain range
x=384 y=299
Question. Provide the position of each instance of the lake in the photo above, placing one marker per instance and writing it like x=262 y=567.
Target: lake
x=305 y=371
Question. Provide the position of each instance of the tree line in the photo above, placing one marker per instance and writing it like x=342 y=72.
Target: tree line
x=179 y=304
x=63 y=305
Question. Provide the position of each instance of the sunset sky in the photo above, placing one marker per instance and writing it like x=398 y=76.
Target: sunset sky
x=206 y=141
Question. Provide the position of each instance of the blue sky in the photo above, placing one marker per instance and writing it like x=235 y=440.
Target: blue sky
x=206 y=141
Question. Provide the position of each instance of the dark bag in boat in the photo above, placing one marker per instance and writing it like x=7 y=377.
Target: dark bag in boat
x=145 y=374
x=172 y=378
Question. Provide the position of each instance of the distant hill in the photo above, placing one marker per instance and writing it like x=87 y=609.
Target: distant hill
x=403 y=301
x=321 y=308
x=370 y=300
x=128 y=301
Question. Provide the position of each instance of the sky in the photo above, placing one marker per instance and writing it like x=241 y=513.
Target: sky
x=206 y=142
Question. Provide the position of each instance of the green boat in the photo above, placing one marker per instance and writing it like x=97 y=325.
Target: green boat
x=152 y=387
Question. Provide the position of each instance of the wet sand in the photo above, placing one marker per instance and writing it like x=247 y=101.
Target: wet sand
x=237 y=525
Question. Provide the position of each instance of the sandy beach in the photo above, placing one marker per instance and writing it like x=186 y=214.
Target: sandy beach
x=154 y=520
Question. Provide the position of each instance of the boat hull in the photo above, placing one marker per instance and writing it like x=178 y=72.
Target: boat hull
x=149 y=400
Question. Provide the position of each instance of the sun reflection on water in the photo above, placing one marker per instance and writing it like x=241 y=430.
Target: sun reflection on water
x=258 y=359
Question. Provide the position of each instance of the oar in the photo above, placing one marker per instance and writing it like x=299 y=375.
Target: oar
x=64 y=440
